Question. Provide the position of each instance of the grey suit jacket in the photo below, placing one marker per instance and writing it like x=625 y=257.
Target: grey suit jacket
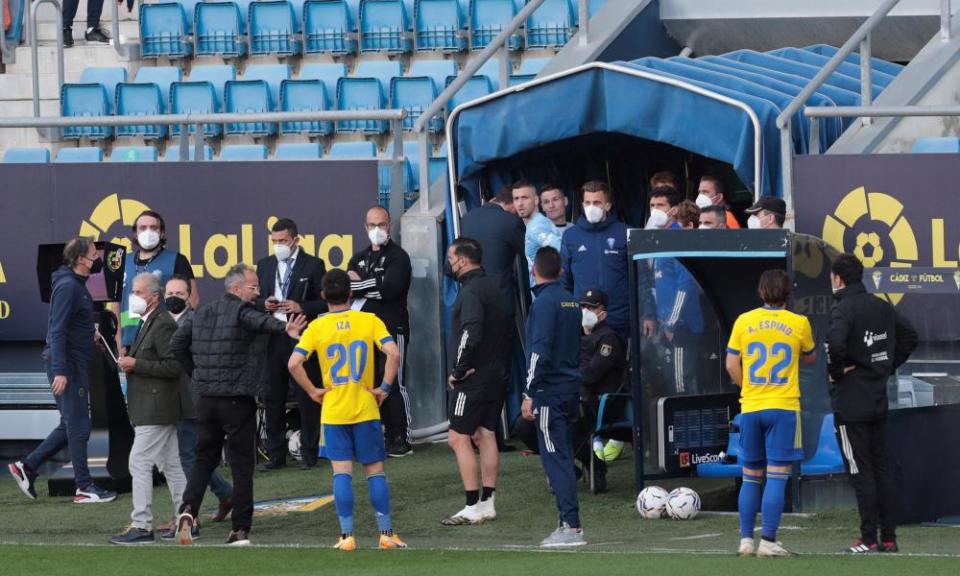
x=188 y=400
x=153 y=388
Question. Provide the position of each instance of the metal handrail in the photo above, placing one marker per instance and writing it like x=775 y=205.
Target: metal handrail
x=879 y=111
x=125 y=51
x=862 y=38
x=754 y=120
x=34 y=64
x=190 y=119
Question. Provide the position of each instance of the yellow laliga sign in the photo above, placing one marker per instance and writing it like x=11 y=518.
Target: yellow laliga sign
x=219 y=251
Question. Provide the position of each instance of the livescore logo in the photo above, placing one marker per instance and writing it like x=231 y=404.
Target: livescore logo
x=4 y=305
x=112 y=218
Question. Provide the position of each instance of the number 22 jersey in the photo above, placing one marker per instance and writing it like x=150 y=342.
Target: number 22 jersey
x=343 y=342
x=769 y=342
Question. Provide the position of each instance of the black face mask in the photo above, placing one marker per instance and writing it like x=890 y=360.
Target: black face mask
x=175 y=304
x=97 y=266
x=448 y=271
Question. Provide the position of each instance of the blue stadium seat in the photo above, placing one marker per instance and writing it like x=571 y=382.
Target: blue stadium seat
x=165 y=29
x=439 y=26
x=302 y=151
x=550 y=25
x=133 y=154
x=202 y=93
x=732 y=469
x=411 y=152
x=437 y=70
x=518 y=79
x=221 y=28
x=383 y=70
x=360 y=94
x=243 y=152
x=173 y=153
x=328 y=26
x=77 y=155
x=26 y=156
x=936 y=146
x=488 y=18
x=92 y=96
x=384 y=178
x=147 y=95
x=476 y=87
x=827 y=459
x=301 y=96
x=383 y=26
x=273 y=28
x=258 y=91
x=328 y=73
x=414 y=95
x=532 y=65
x=352 y=150
x=491 y=69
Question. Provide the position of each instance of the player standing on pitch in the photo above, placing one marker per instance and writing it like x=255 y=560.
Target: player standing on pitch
x=350 y=420
x=763 y=355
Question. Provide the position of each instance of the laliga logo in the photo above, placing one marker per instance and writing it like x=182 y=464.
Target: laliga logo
x=874 y=224
x=108 y=212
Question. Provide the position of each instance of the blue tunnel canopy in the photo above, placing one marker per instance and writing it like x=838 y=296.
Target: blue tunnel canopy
x=720 y=107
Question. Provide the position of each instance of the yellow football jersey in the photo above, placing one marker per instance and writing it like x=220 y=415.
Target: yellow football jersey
x=769 y=342
x=343 y=342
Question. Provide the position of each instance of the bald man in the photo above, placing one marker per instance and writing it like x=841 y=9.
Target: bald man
x=380 y=281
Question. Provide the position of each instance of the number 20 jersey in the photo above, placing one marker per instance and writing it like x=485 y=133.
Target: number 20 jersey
x=343 y=342
x=770 y=342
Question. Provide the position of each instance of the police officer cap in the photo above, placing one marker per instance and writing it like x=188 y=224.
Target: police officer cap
x=593 y=297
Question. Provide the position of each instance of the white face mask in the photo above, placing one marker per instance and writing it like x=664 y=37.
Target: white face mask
x=706 y=227
x=703 y=201
x=658 y=219
x=137 y=305
x=593 y=213
x=282 y=251
x=753 y=223
x=589 y=319
x=378 y=236
x=148 y=239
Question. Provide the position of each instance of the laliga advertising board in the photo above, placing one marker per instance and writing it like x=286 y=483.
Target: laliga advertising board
x=897 y=213
x=217 y=214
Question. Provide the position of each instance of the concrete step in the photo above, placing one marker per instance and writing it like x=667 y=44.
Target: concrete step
x=20 y=86
x=74 y=59
x=47 y=31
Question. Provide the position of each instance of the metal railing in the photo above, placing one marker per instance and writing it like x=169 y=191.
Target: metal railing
x=34 y=60
x=7 y=52
x=861 y=38
x=185 y=121
x=127 y=51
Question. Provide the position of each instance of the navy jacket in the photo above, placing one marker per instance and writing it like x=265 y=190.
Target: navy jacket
x=70 y=326
x=553 y=342
x=501 y=234
x=595 y=256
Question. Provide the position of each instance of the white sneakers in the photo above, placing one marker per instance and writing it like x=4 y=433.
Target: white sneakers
x=747 y=547
x=769 y=549
x=478 y=513
x=487 y=510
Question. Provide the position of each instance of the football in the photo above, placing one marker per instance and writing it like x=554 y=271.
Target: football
x=652 y=502
x=683 y=504
x=293 y=445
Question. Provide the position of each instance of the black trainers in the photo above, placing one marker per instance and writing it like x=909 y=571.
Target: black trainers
x=273 y=464
x=133 y=535
x=184 y=527
x=93 y=494
x=68 y=37
x=96 y=35
x=239 y=537
x=400 y=449
x=171 y=533
x=24 y=479
x=223 y=510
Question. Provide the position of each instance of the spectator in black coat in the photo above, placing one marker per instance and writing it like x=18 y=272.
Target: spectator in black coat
x=224 y=347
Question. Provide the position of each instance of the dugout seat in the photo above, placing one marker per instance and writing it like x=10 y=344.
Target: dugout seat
x=828 y=458
x=726 y=469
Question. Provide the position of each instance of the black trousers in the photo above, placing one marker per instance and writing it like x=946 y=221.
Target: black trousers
x=94 y=10
x=395 y=410
x=278 y=354
x=583 y=430
x=864 y=448
x=233 y=417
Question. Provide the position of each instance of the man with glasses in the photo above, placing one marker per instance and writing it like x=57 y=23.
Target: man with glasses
x=224 y=345
x=291 y=281
x=380 y=281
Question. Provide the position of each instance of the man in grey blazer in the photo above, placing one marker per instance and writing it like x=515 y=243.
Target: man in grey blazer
x=153 y=404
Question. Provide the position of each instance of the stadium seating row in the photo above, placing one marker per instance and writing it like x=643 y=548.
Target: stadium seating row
x=287 y=28
x=375 y=85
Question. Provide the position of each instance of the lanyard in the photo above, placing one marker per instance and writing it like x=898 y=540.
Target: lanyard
x=285 y=281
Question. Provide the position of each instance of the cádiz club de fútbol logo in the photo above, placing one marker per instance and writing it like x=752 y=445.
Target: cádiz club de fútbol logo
x=871 y=225
x=112 y=218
